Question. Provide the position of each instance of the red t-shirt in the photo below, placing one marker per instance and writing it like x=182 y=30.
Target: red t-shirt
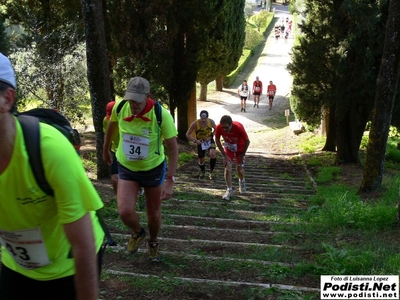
x=271 y=90
x=257 y=86
x=235 y=139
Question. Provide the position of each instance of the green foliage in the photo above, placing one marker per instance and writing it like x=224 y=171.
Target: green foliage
x=253 y=37
x=261 y=20
x=48 y=54
x=4 y=43
x=70 y=71
x=343 y=208
x=335 y=66
x=364 y=142
x=312 y=143
x=342 y=261
x=327 y=174
x=229 y=79
x=392 y=152
x=223 y=44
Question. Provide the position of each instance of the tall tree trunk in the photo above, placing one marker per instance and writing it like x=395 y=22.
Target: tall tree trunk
x=98 y=73
x=203 y=92
x=219 y=83
x=330 y=129
x=386 y=87
x=350 y=129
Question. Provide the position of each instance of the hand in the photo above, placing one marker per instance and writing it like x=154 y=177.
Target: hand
x=166 y=192
x=227 y=160
x=107 y=157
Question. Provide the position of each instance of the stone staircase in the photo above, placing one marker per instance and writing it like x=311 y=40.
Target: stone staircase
x=251 y=247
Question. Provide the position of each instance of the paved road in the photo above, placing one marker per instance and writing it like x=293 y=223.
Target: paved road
x=270 y=65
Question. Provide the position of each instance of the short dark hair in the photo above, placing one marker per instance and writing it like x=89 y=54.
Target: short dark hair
x=226 y=120
x=203 y=112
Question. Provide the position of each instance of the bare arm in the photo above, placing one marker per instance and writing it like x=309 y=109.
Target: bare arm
x=219 y=145
x=189 y=132
x=246 y=146
x=213 y=126
x=172 y=152
x=80 y=236
x=112 y=130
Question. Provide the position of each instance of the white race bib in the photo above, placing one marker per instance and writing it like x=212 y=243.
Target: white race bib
x=26 y=247
x=135 y=147
x=206 y=145
x=230 y=147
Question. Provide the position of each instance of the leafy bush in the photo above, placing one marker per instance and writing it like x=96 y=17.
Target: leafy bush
x=253 y=38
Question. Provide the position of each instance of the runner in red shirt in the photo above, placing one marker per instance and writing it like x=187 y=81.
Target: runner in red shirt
x=236 y=143
x=271 y=91
x=257 y=91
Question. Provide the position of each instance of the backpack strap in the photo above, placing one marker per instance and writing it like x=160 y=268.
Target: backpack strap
x=31 y=128
x=121 y=105
x=158 y=112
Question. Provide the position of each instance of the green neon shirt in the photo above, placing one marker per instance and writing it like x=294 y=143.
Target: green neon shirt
x=27 y=213
x=140 y=145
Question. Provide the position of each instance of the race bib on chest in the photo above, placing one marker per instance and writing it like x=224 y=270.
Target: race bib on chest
x=135 y=147
x=26 y=247
x=271 y=93
x=231 y=147
x=257 y=89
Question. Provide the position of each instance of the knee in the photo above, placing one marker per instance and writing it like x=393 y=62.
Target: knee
x=124 y=214
x=154 y=216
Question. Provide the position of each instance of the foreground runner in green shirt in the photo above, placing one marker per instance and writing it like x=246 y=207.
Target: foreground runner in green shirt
x=49 y=244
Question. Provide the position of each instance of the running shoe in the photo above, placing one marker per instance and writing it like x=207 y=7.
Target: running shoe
x=211 y=175
x=153 y=254
x=242 y=187
x=254 y=105
x=228 y=194
x=134 y=241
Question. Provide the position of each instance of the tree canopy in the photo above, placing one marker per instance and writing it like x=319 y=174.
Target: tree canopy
x=335 y=67
x=223 y=44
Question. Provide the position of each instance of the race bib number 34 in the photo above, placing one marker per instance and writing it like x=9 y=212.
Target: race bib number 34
x=135 y=147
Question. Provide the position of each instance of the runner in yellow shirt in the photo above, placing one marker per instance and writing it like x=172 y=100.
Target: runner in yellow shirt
x=142 y=161
x=204 y=131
